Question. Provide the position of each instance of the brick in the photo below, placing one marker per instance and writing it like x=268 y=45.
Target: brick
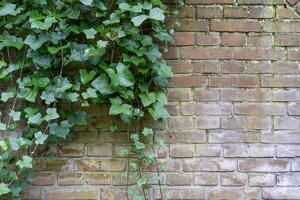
x=294 y=108
x=212 y=109
x=185 y=137
x=180 y=151
x=262 y=180
x=102 y=150
x=208 y=150
x=206 y=66
x=56 y=165
x=258 y=54
x=288 y=179
x=233 y=81
x=246 y=95
x=208 y=39
x=261 y=12
x=71 y=150
x=288 y=151
x=181 y=123
x=263 y=165
x=206 y=53
x=281 y=27
x=181 y=67
x=72 y=193
x=233 y=40
x=233 y=123
x=281 y=137
x=209 y=12
x=262 y=2
x=201 y=2
x=233 y=67
x=179 y=94
x=187 y=11
x=295 y=165
x=260 y=67
x=233 y=179
x=281 y=193
x=206 y=179
x=286 y=68
x=32 y=193
x=288 y=123
x=70 y=178
x=207 y=122
x=233 y=136
x=188 y=193
x=278 y=81
x=235 y=150
x=100 y=165
x=192 y=25
x=292 y=2
x=188 y=81
x=285 y=95
x=259 y=109
x=43 y=178
x=258 y=123
x=97 y=178
x=235 y=12
x=171 y=53
x=261 y=150
x=206 y=95
x=234 y=193
x=235 y=26
x=194 y=165
x=183 y=39
x=179 y=179
x=108 y=194
x=286 y=13
x=172 y=108
x=287 y=39
x=260 y=40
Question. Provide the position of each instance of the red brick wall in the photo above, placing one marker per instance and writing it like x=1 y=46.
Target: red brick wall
x=234 y=101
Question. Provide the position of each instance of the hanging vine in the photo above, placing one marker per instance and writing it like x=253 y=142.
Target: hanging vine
x=86 y=52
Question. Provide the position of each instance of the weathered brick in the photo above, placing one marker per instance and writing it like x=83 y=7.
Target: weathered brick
x=262 y=180
x=179 y=179
x=296 y=165
x=192 y=25
x=208 y=150
x=100 y=165
x=233 y=123
x=233 y=136
x=235 y=12
x=288 y=179
x=286 y=68
x=294 y=108
x=97 y=178
x=43 y=178
x=32 y=193
x=207 y=179
x=234 y=193
x=233 y=40
x=188 y=81
x=281 y=27
x=236 y=26
x=72 y=193
x=206 y=95
x=292 y=2
x=285 y=95
x=235 y=150
x=179 y=94
x=288 y=151
x=287 y=39
x=233 y=179
x=182 y=39
x=207 y=122
x=205 y=53
x=180 y=151
x=233 y=81
x=187 y=11
x=181 y=67
x=260 y=40
x=194 y=165
x=261 y=150
x=208 y=39
x=205 y=109
x=102 y=150
x=181 y=123
x=279 y=81
x=206 y=66
x=261 y=67
x=201 y=2
x=258 y=123
x=188 y=193
x=185 y=137
x=288 y=123
x=261 y=2
x=263 y=165
x=261 y=12
x=209 y=12
x=258 y=54
x=69 y=178
x=281 y=193
x=246 y=95
x=259 y=109
x=109 y=193
x=71 y=150
x=286 y=13
x=281 y=137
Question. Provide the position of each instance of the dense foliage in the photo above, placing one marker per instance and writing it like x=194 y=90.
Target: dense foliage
x=85 y=52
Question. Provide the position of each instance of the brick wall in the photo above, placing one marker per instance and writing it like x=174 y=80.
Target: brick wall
x=234 y=101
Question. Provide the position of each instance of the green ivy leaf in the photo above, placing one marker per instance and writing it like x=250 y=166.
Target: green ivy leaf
x=35 y=119
x=125 y=77
x=5 y=96
x=147 y=132
x=51 y=114
x=4 y=189
x=61 y=130
x=25 y=162
x=158 y=111
x=15 y=115
x=157 y=14
x=34 y=43
x=102 y=85
x=2 y=127
x=55 y=50
x=138 y=20
x=40 y=137
x=85 y=76
x=90 y=33
x=87 y=2
x=147 y=98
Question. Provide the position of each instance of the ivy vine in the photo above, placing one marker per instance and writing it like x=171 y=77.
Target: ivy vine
x=85 y=52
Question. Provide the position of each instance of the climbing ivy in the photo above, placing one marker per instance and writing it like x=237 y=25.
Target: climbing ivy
x=81 y=52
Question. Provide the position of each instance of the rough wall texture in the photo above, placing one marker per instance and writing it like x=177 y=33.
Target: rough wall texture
x=234 y=130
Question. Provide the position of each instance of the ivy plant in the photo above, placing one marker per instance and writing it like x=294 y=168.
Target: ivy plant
x=81 y=52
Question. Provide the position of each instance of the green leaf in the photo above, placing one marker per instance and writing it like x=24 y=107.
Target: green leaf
x=40 y=137
x=147 y=132
x=2 y=127
x=85 y=76
x=138 y=20
x=10 y=41
x=15 y=115
x=157 y=14
x=34 y=43
x=61 y=130
x=158 y=111
x=77 y=118
x=90 y=93
x=78 y=52
x=90 y=33
x=7 y=9
x=125 y=76
x=5 y=96
x=4 y=189
x=161 y=97
x=51 y=114
x=120 y=109
x=87 y=2
x=147 y=98
x=28 y=94
x=102 y=85
x=55 y=50
x=153 y=54
x=25 y=162
x=35 y=119
x=43 y=25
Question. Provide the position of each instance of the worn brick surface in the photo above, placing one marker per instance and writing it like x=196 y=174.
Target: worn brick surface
x=234 y=130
